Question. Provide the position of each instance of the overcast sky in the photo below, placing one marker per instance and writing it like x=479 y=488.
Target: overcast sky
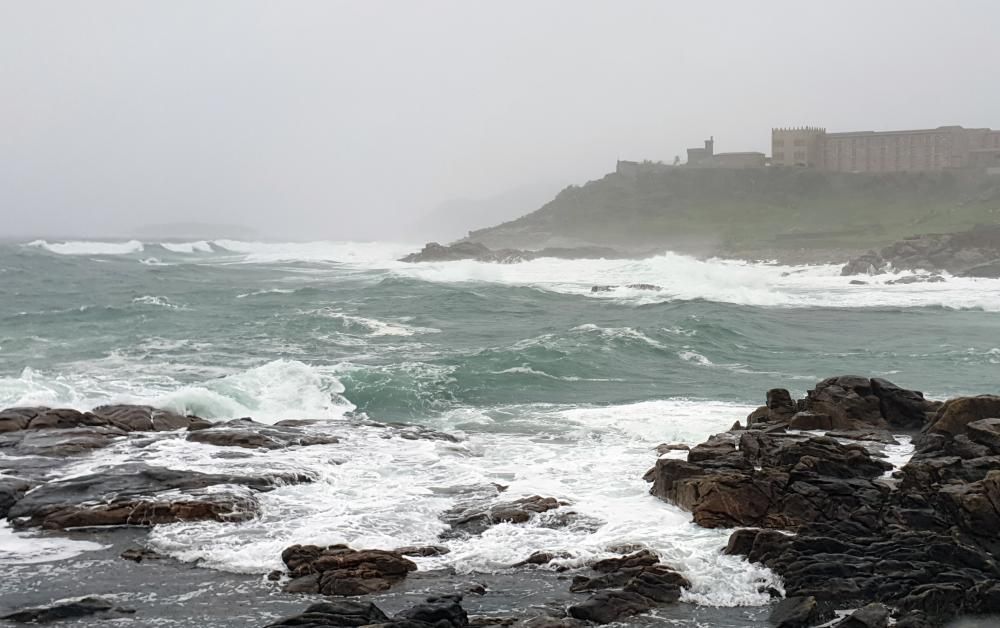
x=336 y=119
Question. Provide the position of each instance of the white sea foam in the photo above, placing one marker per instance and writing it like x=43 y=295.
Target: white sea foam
x=360 y=253
x=373 y=492
x=23 y=548
x=200 y=246
x=729 y=281
x=84 y=247
x=372 y=326
x=280 y=389
x=257 y=293
x=158 y=301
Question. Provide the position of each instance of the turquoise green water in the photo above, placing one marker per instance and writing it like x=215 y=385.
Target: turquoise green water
x=552 y=389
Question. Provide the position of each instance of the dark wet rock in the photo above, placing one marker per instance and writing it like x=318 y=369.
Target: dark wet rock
x=845 y=403
x=437 y=612
x=411 y=432
x=249 y=434
x=911 y=279
x=124 y=418
x=642 y=558
x=540 y=558
x=434 y=252
x=849 y=401
x=336 y=613
x=69 y=609
x=340 y=570
x=772 y=481
x=663 y=448
x=799 y=612
x=811 y=421
x=878 y=436
x=955 y=414
x=986 y=432
x=741 y=542
x=473 y=519
x=11 y=490
x=631 y=286
x=872 y=615
x=146 y=418
x=550 y=622
x=858 y=282
x=139 y=554
x=609 y=606
x=422 y=550
x=59 y=443
x=137 y=494
x=973 y=253
x=626 y=586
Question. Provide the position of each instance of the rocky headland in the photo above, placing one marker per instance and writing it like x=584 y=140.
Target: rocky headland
x=434 y=252
x=805 y=484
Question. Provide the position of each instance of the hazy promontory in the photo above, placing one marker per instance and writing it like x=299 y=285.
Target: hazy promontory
x=791 y=214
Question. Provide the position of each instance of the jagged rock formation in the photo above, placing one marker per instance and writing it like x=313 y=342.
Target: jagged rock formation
x=924 y=540
x=973 y=253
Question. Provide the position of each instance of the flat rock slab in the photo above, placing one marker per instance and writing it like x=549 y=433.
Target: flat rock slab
x=69 y=609
x=137 y=494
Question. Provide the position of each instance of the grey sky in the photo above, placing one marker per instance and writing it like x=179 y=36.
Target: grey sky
x=336 y=119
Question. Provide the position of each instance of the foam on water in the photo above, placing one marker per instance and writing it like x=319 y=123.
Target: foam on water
x=24 y=548
x=377 y=490
x=85 y=247
x=200 y=246
x=281 y=389
x=685 y=278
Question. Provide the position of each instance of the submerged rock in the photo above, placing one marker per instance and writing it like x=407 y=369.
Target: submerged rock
x=475 y=518
x=250 y=434
x=799 y=612
x=69 y=609
x=336 y=613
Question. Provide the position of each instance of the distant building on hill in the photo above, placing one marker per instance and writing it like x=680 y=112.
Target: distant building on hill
x=707 y=158
x=921 y=150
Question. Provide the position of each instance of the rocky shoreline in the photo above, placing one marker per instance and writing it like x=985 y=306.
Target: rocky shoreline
x=805 y=484
x=974 y=253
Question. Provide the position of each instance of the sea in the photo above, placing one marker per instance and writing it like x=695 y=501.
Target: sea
x=549 y=387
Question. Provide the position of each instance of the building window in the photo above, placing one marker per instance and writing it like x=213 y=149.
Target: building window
x=779 y=156
x=800 y=156
x=779 y=143
x=800 y=142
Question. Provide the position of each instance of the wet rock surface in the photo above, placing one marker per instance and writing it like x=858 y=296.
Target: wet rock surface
x=249 y=434
x=626 y=586
x=973 y=253
x=340 y=570
x=137 y=494
x=434 y=252
x=475 y=517
x=924 y=541
x=70 y=609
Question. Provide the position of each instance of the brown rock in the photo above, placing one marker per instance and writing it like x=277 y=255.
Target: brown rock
x=340 y=570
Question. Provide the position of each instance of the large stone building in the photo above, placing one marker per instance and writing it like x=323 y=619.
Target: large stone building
x=707 y=158
x=922 y=150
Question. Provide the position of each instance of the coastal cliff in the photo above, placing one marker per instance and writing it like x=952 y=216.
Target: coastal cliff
x=790 y=214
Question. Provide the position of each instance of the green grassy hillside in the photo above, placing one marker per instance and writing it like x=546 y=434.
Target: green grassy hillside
x=774 y=212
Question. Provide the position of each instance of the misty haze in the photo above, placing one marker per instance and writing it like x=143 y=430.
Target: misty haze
x=461 y=314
